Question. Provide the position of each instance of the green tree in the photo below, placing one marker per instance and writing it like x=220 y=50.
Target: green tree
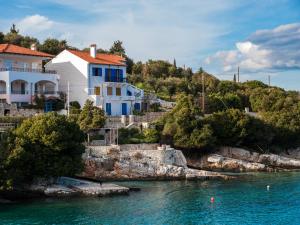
x=171 y=87
x=117 y=48
x=44 y=146
x=53 y=46
x=91 y=117
x=1 y=38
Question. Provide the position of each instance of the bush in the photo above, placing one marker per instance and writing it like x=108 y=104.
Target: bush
x=150 y=136
x=75 y=105
x=12 y=119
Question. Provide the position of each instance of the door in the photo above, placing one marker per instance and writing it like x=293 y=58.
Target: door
x=108 y=109
x=137 y=106
x=48 y=107
x=124 y=108
x=23 y=88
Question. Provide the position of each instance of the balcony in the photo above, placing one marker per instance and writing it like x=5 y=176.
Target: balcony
x=16 y=69
x=46 y=92
x=117 y=80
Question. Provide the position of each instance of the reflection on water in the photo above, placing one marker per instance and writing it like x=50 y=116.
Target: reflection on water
x=244 y=200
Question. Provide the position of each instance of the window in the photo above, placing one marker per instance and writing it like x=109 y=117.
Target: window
x=109 y=90
x=96 y=71
x=129 y=93
x=118 y=91
x=108 y=75
x=113 y=75
x=119 y=75
x=97 y=91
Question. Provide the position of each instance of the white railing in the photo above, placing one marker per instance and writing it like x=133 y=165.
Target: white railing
x=16 y=69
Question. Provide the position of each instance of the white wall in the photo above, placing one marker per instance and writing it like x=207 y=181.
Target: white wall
x=75 y=70
x=31 y=78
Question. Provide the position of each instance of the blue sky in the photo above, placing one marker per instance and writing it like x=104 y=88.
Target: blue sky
x=260 y=36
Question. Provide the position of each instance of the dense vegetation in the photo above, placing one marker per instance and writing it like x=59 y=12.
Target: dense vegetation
x=46 y=146
x=135 y=136
x=41 y=147
x=186 y=127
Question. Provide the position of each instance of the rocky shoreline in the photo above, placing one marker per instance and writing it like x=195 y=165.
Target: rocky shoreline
x=63 y=187
x=230 y=159
x=151 y=162
x=140 y=162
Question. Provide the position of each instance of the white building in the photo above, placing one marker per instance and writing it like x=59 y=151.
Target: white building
x=22 y=75
x=98 y=77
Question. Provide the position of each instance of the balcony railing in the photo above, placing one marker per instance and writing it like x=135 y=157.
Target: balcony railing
x=18 y=92
x=46 y=92
x=120 y=80
x=2 y=92
x=16 y=69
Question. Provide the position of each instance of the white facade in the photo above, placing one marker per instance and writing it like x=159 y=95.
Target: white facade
x=22 y=76
x=115 y=96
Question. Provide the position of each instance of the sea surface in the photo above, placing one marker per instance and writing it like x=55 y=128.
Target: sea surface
x=244 y=200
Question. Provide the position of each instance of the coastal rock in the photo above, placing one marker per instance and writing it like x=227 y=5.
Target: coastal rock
x=238 y=159
x=121 y=163
x=66 y=186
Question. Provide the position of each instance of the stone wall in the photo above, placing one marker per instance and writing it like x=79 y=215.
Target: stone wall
x=129 y=147
x=12 y=110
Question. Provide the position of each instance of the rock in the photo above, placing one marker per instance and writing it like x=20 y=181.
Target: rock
x=59 y=191
x=238 y=159
x=126 y=164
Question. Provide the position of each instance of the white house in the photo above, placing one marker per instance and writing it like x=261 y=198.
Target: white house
x=22 y=75
x=98 y=77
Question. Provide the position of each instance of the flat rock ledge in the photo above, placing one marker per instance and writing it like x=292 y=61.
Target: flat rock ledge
x=66 y=186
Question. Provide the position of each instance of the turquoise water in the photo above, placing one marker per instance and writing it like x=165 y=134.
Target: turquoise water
x=241 y=201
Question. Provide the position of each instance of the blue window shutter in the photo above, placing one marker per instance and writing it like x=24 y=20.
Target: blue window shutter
x=100 y=72
x=121 y=74
x=106 y=75
x=113 y=75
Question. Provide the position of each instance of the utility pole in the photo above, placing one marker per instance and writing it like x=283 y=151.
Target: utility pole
x=203 y=94
x=238 y=74
x=269 y=80
x=68 y=100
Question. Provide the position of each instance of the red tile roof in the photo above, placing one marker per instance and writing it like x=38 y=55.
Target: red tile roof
x=103 y=59
x=14 y=49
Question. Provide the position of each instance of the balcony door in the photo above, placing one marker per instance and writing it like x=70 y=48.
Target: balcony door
x=108 y=109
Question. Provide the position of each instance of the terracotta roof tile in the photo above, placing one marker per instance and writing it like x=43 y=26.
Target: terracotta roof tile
x=14 y=49
x=103 y=59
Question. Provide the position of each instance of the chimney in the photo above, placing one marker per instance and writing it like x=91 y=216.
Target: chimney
x=93 y=50
x=33 y=46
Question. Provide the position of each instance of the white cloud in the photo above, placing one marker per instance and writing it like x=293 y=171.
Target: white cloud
x=149 y=29
x=34 y=24
x=265 y=50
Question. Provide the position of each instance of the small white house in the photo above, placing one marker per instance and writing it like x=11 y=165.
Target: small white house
x=22 y=75
x=98 y=77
